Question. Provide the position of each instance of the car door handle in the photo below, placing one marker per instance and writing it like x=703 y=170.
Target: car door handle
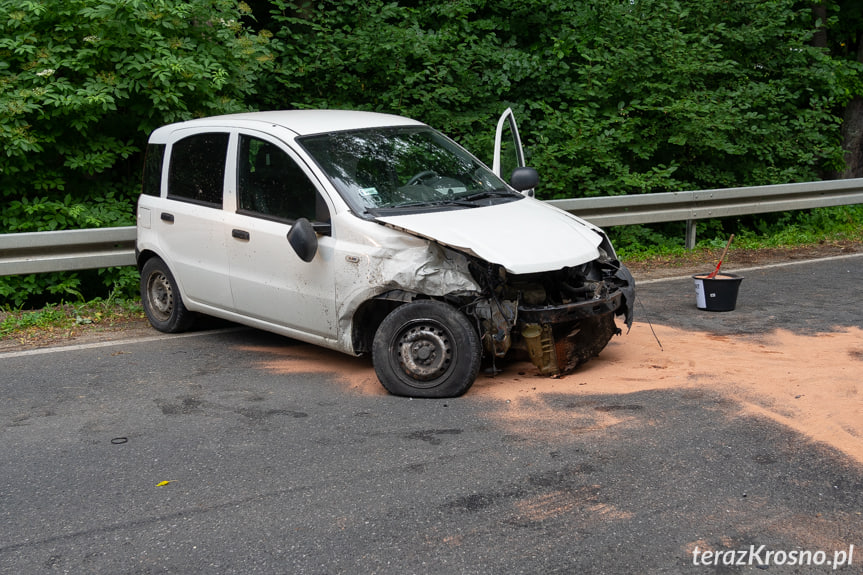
x=240 y=234
x=167 y=217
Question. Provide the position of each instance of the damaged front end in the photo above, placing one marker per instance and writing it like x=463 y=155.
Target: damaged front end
x=561 y=318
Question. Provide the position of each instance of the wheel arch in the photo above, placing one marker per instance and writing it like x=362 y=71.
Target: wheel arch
x=141 y=257
x=369 y=315
x=145 y=255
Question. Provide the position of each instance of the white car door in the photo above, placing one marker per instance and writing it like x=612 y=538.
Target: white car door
x=269 y=281
x=189 y=224
x=508 y=152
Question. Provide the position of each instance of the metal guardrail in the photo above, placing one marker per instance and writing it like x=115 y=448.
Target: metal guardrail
x=705 y=204
x=67 y=250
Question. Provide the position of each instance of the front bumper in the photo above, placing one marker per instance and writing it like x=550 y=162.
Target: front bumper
x=570 y=312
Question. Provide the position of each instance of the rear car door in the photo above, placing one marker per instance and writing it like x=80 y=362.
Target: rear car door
x=190 y=225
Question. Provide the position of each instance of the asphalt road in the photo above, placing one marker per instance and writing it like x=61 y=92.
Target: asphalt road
x=301 y=472
x=802 y=297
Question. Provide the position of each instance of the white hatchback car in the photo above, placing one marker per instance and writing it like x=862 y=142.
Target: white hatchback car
x=371 y=233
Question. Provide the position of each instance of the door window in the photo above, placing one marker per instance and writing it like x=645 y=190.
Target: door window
x=197 y=170
x=152 y=180
x=271 y=184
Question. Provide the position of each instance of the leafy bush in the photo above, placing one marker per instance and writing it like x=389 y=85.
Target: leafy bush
x=83 y=82
x=612 y=98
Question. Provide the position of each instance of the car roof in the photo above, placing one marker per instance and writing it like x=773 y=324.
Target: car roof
x=301 y=122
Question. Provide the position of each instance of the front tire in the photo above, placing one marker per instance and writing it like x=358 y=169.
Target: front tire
x=161 y=298
x=426 y=348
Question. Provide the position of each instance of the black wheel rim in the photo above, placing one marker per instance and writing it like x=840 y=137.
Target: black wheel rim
x=424 y=352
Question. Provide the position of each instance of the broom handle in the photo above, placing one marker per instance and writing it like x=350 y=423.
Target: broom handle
x=722 y=257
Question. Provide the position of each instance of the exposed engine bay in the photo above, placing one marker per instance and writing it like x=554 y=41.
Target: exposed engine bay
x=561 y=318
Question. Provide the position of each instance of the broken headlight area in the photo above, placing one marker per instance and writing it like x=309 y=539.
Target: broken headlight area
x=560 y=319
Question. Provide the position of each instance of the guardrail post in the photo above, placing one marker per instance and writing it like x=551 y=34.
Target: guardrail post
x=690 y=234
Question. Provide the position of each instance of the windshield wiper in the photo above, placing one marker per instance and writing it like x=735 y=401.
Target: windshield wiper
x=454 y=202
x=499 y=193
x=429 y=203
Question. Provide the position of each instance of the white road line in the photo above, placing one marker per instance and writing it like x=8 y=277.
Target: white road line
x=136 y=340
x=764 y=267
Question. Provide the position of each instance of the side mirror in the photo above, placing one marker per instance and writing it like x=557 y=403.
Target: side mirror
x=524 y=179
x=303 y=239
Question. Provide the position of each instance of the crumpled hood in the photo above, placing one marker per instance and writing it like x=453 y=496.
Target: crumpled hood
x=524 y=236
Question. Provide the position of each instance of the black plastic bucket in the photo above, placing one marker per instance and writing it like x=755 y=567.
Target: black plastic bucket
x=718 y=293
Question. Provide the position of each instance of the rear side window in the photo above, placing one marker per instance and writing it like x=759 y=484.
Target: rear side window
x=197 y=170
x=152 y=181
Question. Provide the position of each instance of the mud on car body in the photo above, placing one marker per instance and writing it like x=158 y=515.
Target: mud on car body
x=372 y=234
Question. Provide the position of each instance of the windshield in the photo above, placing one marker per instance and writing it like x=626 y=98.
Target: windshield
x=385 y=169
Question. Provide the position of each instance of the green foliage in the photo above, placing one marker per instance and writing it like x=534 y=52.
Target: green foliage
x=612 y=98
x=41 y=289
x=22 y=321
x=446 y=63
x=837 y=223
x=99 y=207
x=123 y=283
x=38 y=289
x=640 y=241
x=83 y=82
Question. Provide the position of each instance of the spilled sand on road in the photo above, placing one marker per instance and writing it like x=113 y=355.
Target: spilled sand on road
x=809 y=383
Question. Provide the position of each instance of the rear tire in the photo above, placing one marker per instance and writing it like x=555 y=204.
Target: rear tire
x=161 y=299
x=426 y=348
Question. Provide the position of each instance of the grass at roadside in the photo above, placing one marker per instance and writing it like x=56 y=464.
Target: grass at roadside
x=65 y=320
